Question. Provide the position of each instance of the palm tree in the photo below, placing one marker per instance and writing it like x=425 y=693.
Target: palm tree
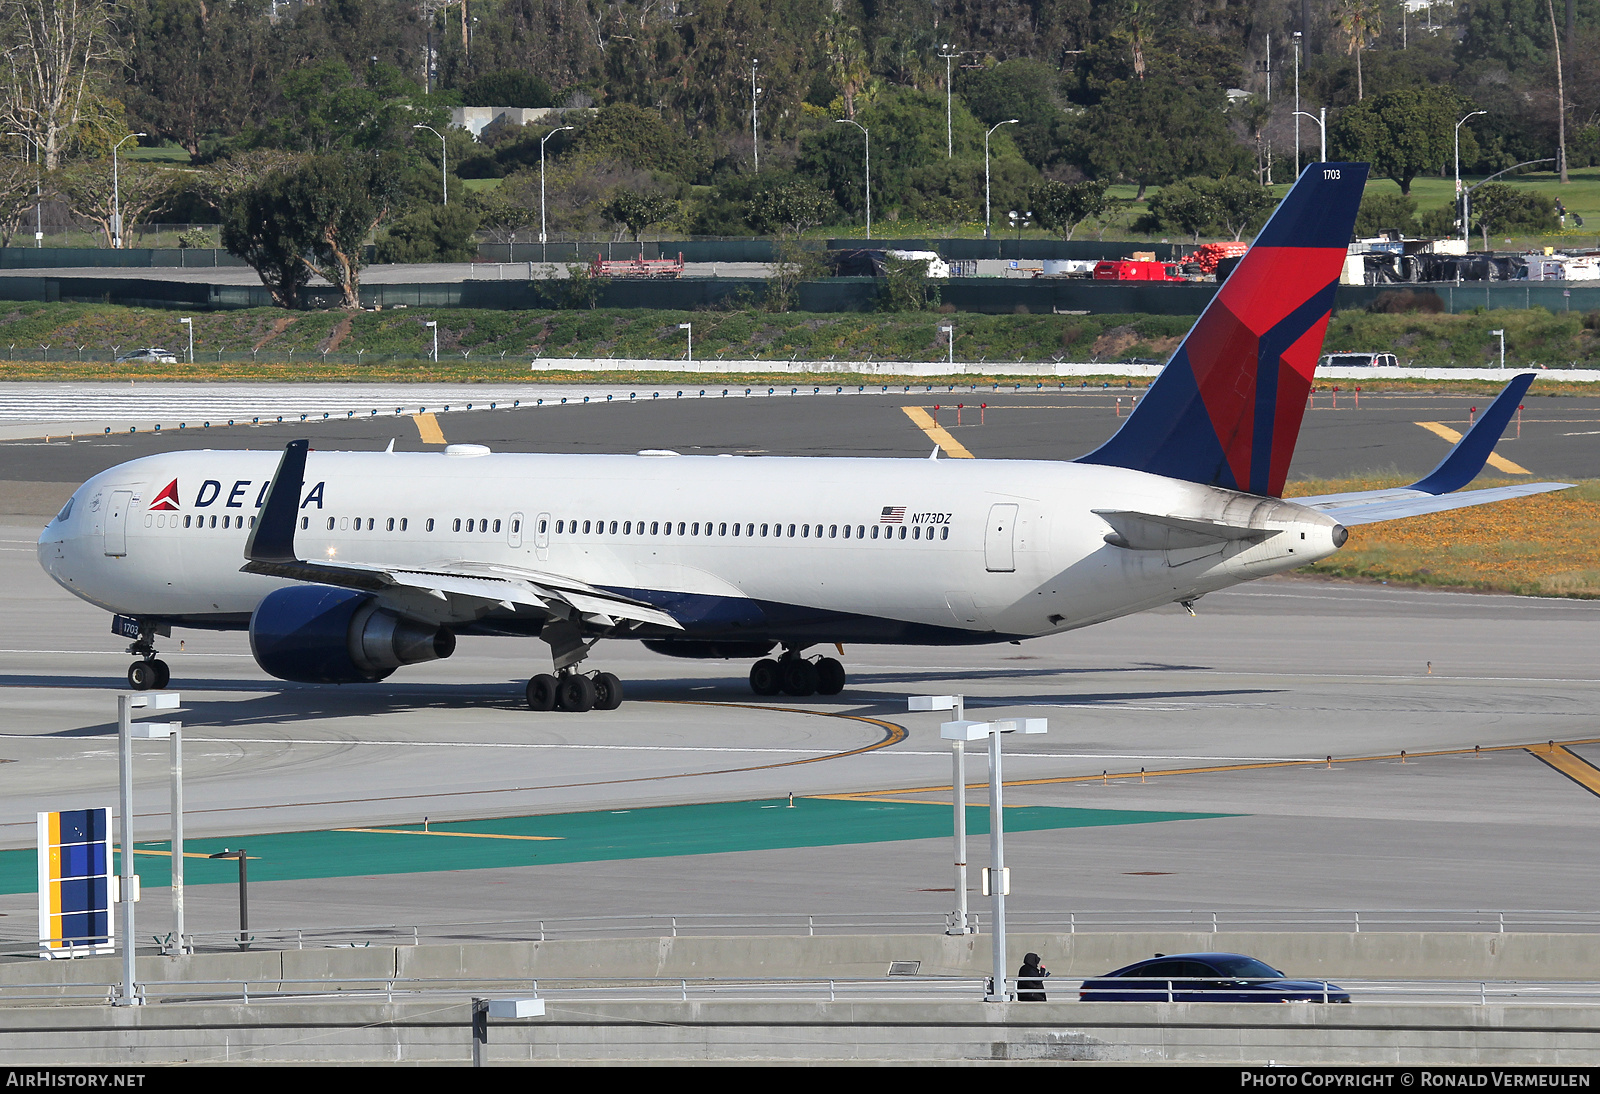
x=1359 y=20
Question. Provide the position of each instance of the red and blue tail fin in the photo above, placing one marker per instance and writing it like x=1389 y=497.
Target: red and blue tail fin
x=1226 y=410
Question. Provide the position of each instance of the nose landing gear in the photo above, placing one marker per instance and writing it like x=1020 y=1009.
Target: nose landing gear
x=148 y=673
x=794 y=675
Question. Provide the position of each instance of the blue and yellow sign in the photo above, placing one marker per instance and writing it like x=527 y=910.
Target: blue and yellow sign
x=75 y=883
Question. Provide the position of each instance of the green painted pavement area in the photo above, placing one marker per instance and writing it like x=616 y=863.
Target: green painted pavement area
x=661 y=832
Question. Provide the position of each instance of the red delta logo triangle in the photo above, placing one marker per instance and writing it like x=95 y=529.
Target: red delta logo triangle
x=167 y=500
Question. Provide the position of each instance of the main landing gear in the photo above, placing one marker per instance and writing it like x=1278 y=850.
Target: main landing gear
x=575 y=692
x=148 y=673
x=792 y=674
x=569 y=689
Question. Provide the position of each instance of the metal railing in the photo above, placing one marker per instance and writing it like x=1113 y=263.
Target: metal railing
x=1188 y=921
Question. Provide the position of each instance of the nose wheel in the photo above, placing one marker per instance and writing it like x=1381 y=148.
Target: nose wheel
x=149 y=675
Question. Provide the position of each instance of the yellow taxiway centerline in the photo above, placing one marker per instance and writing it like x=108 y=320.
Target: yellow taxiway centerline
x=1542 y=751
x=936 y=432
x=428 y=427
x=1570 y=764
x=1498 y=462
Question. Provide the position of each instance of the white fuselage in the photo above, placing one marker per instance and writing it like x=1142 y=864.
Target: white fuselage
x=819 y=549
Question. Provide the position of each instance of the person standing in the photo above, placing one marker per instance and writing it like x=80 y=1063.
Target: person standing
x=1030 y=979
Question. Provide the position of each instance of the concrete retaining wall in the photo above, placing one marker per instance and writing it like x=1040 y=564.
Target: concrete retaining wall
x=437 y=1031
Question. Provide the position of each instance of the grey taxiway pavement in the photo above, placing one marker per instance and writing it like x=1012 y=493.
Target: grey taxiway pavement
x=1281 y=670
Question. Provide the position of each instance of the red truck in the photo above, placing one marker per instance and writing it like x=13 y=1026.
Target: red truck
x=1127 y=269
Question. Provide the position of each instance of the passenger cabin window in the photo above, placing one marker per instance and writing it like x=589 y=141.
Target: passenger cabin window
x=457 y=526
x=429 y=525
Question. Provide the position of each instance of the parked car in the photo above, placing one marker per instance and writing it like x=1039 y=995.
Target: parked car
x=150 y=354
x=1359 y=360
x=1206 y=978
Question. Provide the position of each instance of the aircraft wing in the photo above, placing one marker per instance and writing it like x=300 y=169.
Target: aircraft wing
x=450 y=592
x=1434 y=492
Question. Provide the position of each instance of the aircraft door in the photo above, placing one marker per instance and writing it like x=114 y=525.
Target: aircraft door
x=117 y=523
x=541 y=536
x=999 y=554
x=514 y=530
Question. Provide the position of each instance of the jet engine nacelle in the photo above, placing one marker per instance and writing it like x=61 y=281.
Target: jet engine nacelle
x=318 y=634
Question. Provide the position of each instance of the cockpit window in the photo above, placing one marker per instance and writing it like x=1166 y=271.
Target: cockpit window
x=66 y=510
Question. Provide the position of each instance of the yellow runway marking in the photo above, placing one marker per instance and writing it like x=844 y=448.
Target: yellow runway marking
x=463 y=835
x=1570 y=764
x=428 y=426
x=168 y=854
x=1498 y=462
x=924 y=421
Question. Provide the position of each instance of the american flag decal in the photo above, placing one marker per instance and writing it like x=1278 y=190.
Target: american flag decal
x=893 y=514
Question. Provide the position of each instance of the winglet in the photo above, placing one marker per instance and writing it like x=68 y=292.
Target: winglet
x=1467 y=457
x=272 y=539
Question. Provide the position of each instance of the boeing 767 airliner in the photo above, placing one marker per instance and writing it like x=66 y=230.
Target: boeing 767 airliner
x=345 y=566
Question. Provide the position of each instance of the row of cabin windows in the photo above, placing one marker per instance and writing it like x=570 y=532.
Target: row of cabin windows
x=601 y=527
x=191 y=521
x=748 y=531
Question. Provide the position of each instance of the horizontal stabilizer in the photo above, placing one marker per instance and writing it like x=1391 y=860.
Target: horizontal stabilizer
x=1150 y=532
x=1418 y=504
x=1433 y=493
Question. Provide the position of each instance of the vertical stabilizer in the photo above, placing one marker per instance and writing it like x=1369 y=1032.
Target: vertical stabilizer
x=1226 y=410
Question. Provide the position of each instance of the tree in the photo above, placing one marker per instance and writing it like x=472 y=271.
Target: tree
x=196 y=69
x=87 y=190
x=1359 y=21
x=1498 y=207
x=1199 y=206
x=1402 y=133
x=1062 y=206
x=57 y=53
x=311 y=220
x=1380 y=211
x=1155 y=130
x=638 y=209
x=435 y=233
x=508 y=87
x=19 y=190
x=789 y=207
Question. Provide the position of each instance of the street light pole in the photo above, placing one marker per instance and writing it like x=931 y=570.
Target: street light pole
x=960 y=921
x=867 y=185
x=444 y=168
x=190 y=324
x=997 y=884
x=547 y=136
x=1297 y=37
x=755 y=137
x=949 y=130
x=116 y=193
x=1321 y=126
x=1459 y=124
x=689 y=345
x=435 y=325
x=986 y=136
x=1502 y=335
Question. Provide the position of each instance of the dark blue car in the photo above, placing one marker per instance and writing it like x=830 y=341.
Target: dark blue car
x=1206 y=978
